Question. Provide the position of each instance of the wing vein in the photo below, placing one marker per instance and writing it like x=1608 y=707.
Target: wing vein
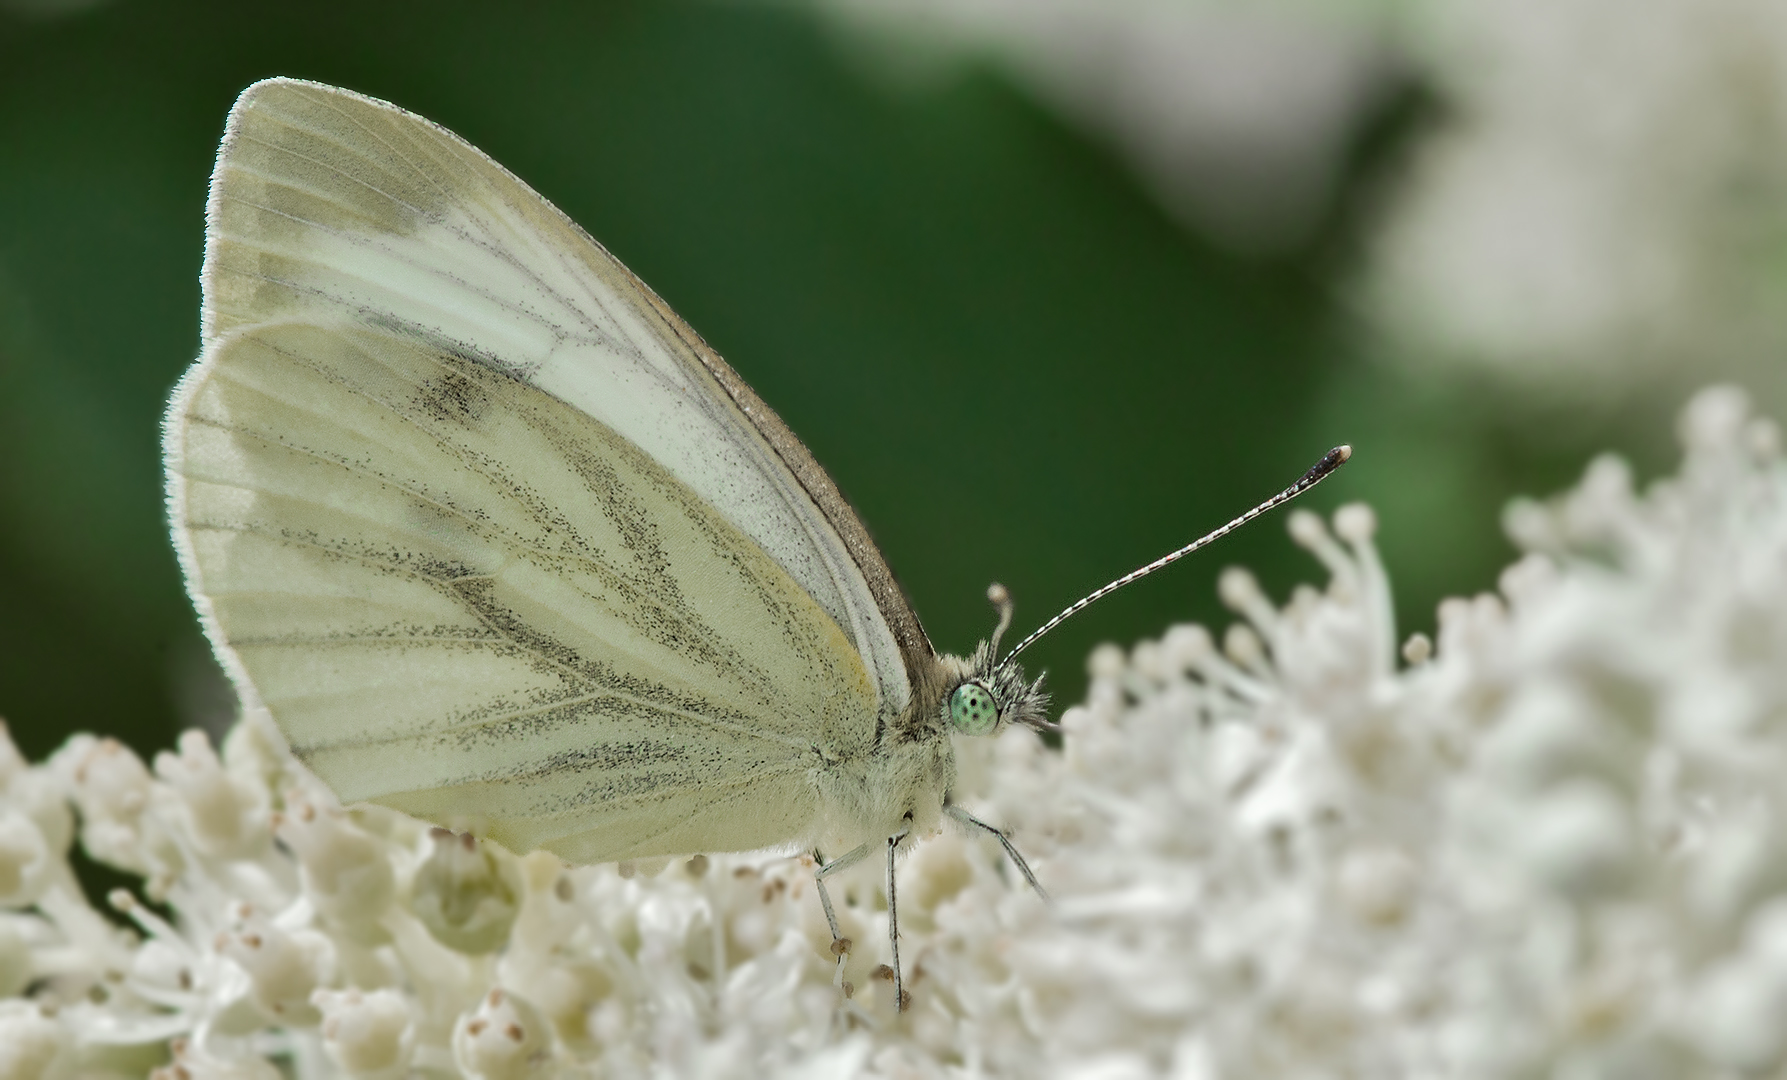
x=714 y=722
x=590 y=559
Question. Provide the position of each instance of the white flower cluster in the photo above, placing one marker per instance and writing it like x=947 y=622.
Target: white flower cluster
x=1553 y=843
x=1606 y=190
x=308 y=941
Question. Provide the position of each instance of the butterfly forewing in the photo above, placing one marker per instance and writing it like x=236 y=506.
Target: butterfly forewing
x=469 y=515
x=327 y=205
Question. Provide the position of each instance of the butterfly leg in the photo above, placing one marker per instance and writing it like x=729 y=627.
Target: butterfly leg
x=840 y=945
x=966 y=818
x=901 y=999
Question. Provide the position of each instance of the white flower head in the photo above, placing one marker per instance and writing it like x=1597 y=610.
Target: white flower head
x=1549 y=840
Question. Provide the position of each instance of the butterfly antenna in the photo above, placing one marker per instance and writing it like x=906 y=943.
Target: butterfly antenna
x=1318 y=472
x=1000 y=597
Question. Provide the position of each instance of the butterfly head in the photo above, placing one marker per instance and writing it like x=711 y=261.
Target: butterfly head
x=990 y=694
x=993 y=696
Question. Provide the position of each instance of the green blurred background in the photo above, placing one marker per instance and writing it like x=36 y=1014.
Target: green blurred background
x=960 y=301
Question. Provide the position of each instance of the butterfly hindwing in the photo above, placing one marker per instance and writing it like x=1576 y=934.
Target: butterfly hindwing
x=488 y=592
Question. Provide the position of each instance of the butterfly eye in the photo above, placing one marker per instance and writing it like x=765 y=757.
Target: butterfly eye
x=972 y=709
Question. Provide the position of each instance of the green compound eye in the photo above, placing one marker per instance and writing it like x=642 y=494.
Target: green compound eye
x=972 y=709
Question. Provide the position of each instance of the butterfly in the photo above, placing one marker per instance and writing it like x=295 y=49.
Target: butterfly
x=499 y=542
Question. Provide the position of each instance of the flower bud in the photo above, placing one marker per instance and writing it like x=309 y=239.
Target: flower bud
x=283 y=967
x=504 y=1038
x=1579 y=840
x=1378 y=886
x=193 y=1062
x=112 y=788
x=347 y=872
x=26 y=862
x=466 y=894
x=32 y=1046
x=226 y=816
x=366 y=1034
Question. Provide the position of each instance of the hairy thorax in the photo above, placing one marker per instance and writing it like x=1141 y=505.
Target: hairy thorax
x=899 y=784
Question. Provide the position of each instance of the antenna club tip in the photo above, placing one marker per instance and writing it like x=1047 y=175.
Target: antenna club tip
x=1341 y=453
x=998 y=594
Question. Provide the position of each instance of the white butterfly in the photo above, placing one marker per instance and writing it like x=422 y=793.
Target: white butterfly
x=498 y=541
